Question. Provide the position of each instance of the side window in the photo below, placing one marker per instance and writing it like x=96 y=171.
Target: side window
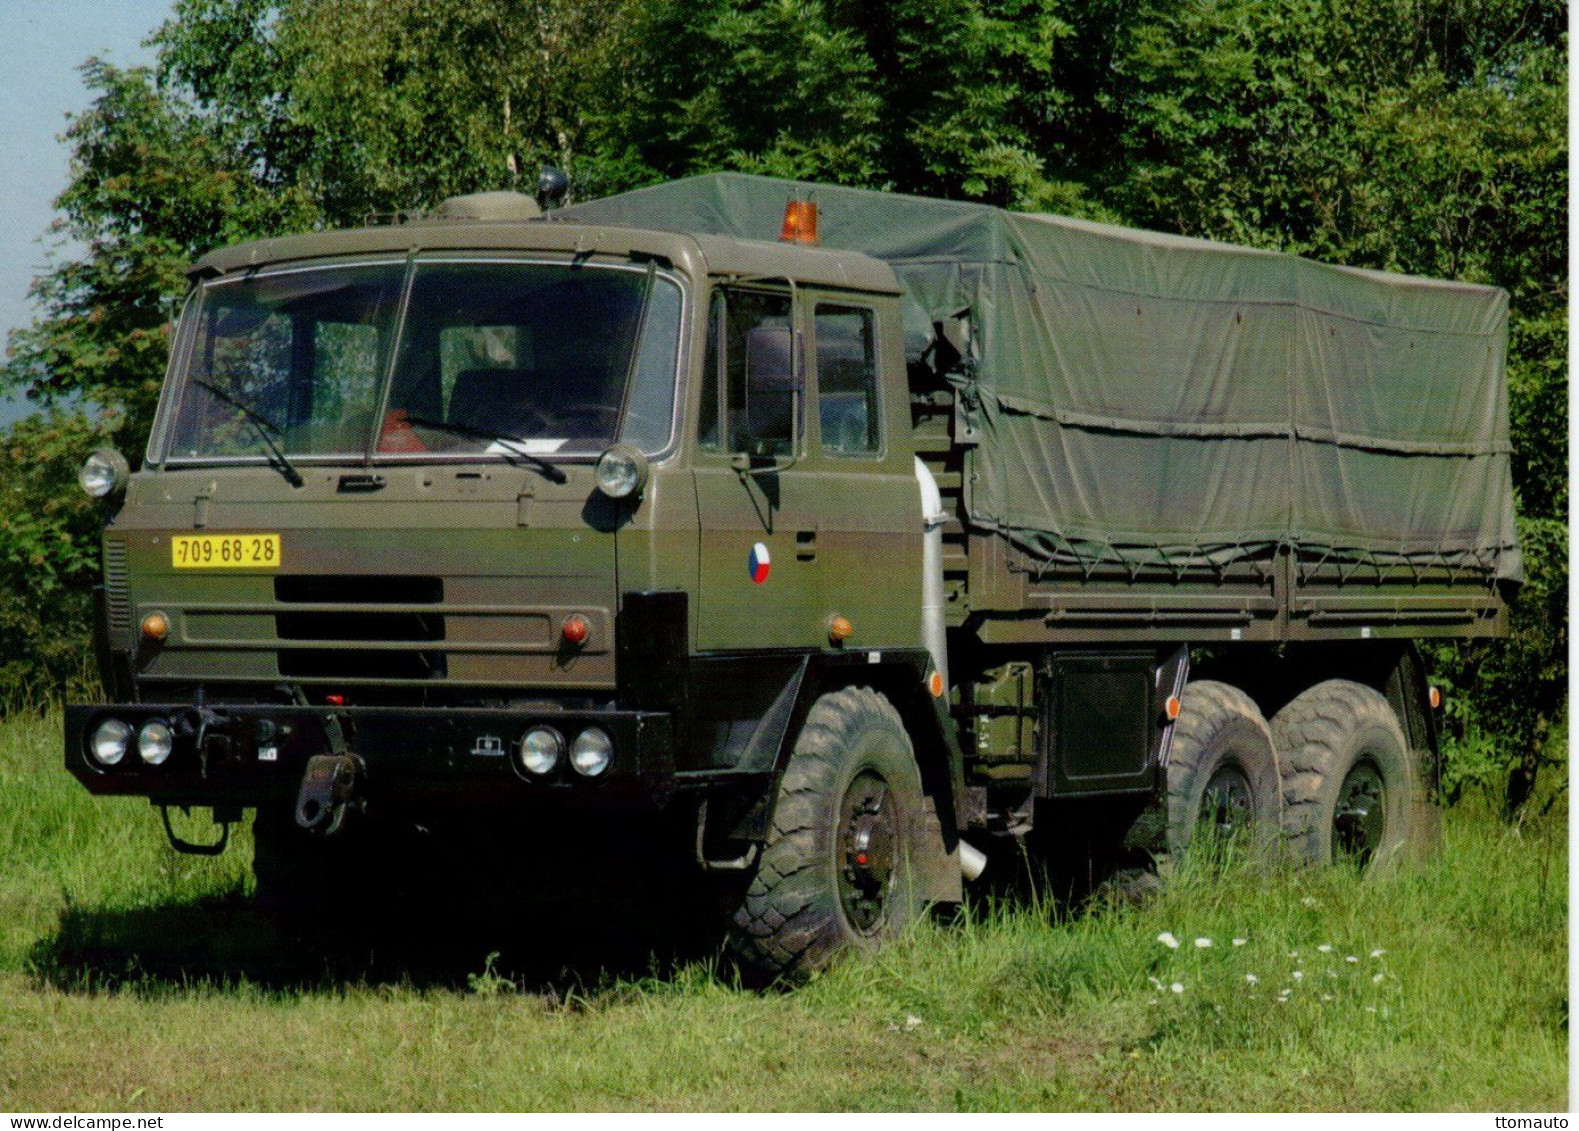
x=750 y=353
x=847 y=379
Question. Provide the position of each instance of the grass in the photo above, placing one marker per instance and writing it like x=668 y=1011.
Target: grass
x=132 y=979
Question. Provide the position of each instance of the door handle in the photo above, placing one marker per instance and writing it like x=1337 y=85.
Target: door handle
x=805 y=545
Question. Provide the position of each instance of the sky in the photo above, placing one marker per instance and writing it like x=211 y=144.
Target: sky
x=42 y=42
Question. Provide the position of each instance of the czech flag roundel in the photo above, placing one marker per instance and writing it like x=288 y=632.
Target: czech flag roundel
x=759 y=563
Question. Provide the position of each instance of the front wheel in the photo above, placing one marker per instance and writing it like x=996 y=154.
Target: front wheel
x=837 y=869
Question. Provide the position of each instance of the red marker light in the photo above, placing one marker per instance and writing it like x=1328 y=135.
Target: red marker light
x=575 y=629
x=861 y=859
x=334 y=700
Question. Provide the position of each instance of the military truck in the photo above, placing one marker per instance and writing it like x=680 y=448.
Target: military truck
x=853 y=532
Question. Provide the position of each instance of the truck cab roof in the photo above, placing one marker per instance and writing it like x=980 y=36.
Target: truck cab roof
x=702 y=254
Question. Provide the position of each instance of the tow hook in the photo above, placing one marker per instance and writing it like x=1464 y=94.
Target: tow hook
x=330 y=786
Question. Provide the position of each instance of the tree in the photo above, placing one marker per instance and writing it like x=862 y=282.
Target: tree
x=150 y=188
x=1424 y=136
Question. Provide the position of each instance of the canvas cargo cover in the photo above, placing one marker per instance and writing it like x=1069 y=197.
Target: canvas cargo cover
x=1153 y=399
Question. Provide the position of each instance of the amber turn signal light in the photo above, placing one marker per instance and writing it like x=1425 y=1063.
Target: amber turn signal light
x=1171 y=708
x=1436 y=698
x=156 y=626
x=575 y=629
x=839 y=629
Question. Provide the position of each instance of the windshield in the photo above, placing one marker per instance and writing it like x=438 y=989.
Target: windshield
x=490 y=358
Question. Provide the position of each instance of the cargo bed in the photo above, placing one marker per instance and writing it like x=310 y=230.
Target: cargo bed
x=1149 y=437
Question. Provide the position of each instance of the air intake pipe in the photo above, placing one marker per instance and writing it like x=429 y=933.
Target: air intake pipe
x=933 y=633
x=933 y=517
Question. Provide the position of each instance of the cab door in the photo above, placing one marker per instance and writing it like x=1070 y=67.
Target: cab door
x=869 y=525
x=760 y=583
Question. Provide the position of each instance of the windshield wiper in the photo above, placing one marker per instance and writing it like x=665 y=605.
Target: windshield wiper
x=264 y=426
x=514 y=443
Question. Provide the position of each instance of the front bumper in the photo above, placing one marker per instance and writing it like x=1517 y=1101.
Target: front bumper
x=256 y=754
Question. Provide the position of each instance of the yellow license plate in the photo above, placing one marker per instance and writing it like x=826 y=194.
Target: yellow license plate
x=225 y=551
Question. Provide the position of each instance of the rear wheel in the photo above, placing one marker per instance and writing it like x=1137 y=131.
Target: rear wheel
x=836 y=869
x=1222 y=769
x=1348 y=777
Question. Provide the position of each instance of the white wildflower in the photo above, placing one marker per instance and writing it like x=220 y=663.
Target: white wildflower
x=1252 y=979
x=912 y=1022
x=1350 y=958
x=1370 y=1009
x=1293 y=954
x=1309 y=901
x=1240 y=942
x=1377 y=978
x=1167 y=940
x=1202 y=944
x=1325 y=948
x=1151 y=1001
x=1378 y=952
x=1177 y=987
x=1298 y=974
x=1156 y=983
x=1328 y=997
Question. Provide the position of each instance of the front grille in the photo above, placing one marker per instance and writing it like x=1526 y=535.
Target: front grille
x=118 y=606
x=375 y=589
x=334 y=624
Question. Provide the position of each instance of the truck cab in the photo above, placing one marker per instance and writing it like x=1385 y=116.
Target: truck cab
x=492 y=513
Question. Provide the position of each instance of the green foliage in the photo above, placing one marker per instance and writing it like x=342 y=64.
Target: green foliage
x=1506 y=700
x=49 y=557
x=1422 y=136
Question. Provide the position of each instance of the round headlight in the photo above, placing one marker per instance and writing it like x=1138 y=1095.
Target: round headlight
x=110 y=742
x=541 y=750
x=621 y=471
x=154 y=741
x=591 y=753
x=103 y=473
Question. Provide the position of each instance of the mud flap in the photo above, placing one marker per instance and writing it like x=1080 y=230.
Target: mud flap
x=939 y=868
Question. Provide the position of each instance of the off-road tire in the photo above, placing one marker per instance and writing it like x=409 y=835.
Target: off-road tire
x=1220 y=731
x=792 y=918
x=1322 y=736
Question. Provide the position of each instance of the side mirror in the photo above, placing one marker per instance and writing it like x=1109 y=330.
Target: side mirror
x=772 y=408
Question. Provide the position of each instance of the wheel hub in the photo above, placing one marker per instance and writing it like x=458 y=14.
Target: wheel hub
x=868 y=835
x=1359 y=821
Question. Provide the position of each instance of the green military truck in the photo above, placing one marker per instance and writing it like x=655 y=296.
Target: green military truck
x=851 y=532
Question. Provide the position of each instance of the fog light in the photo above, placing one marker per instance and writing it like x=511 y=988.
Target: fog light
x=541 y=750
x=621 y=471
x=591 y=753
x=156 y=626
x=154 y=742
x=110 y=742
